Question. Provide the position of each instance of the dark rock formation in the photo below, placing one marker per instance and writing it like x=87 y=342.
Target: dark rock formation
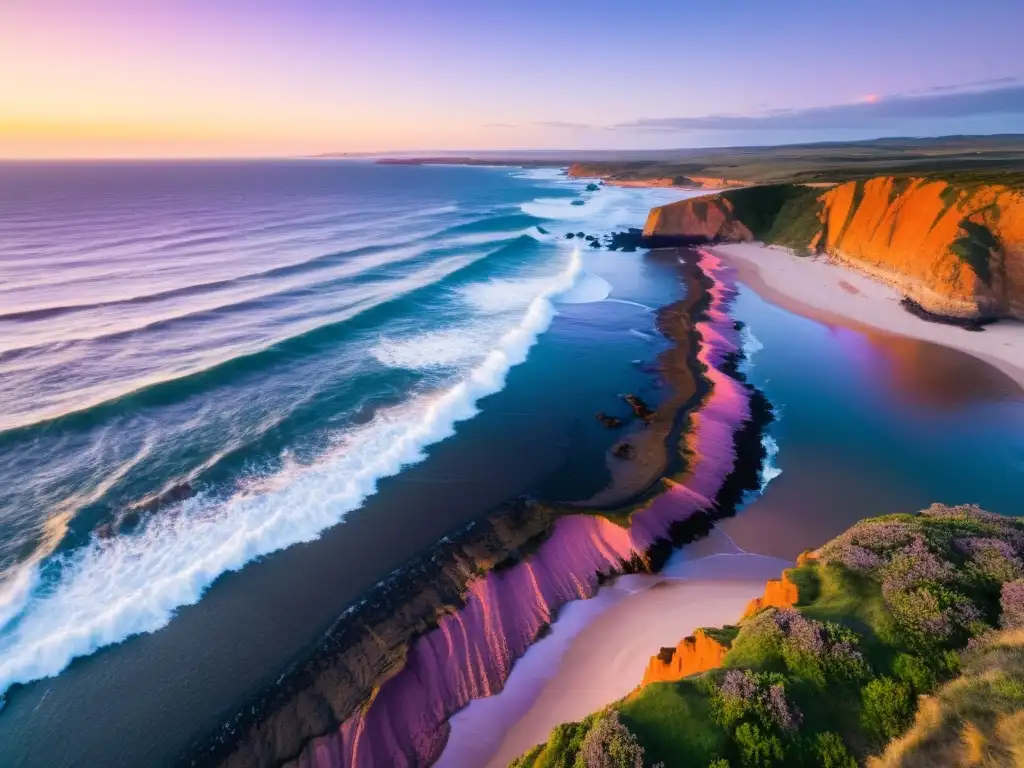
x=592 y=187
x=578 y=202
x=569 y=235
x=611 y=422
x=643 y=411
x=628 y=241
x=967 y=323
x=624 y=451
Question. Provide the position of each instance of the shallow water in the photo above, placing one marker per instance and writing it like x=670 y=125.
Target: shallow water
x=870 y=424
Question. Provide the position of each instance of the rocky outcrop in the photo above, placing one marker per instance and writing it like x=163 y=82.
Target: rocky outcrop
x=707 y=219
x=694 y=654
x=955 y=249
x=778 y=593
x=706 y=648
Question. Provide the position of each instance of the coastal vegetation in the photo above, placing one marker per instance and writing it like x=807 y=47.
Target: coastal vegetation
x=904 y=647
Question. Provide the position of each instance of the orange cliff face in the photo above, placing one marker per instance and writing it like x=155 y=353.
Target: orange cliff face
x=711 y=218
x=778 y=593
x=693 y=655
x=701 y=652
x=957 y=250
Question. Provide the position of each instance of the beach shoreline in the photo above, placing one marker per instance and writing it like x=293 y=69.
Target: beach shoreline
x=591 y=661
x=821 y=290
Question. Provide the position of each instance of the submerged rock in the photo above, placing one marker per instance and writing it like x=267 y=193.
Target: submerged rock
x=595 y=243
x=624 y=451
x=611 y=422
x=643 y=411
x=592 y=187
x=578 y=202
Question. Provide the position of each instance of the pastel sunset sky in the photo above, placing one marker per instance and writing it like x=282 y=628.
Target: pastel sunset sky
x=162 y=78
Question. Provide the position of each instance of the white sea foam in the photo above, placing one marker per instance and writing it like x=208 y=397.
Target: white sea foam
x=125 y=585
x=588 y=289
x=443 y=349
x=751 y=346
x=769 y=470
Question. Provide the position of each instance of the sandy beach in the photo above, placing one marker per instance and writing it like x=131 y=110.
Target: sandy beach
x=599 y=648
x=822 y=290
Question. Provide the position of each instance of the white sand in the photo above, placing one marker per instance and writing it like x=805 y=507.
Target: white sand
x=599 y=648
x=822 y=290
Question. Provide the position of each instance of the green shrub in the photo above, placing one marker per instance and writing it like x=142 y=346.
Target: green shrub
x=887 y=708
x=974 y=248
x=829 y=751
x=758 y=748
x=914 y=671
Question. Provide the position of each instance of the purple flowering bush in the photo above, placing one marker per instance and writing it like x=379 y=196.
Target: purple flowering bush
x=811 y=650
x=609 y=744
x=939 y=572
x=758 y=697
x=1011 y=601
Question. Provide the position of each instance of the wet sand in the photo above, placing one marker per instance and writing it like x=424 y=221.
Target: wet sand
x=599 y=648
x=822 y=290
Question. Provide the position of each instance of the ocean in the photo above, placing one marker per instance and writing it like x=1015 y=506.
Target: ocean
x=203 y=364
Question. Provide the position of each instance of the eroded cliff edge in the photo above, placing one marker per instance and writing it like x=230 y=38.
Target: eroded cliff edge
x=956 y=248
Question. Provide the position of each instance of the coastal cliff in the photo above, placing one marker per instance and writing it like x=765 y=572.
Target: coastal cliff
x=898 y=643
x=382 y=685
x=954 y=248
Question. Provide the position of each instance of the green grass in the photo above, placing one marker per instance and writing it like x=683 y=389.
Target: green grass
x=722 y=635
x=673 y=722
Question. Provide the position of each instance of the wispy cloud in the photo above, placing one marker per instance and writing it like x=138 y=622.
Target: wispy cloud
x=561 y=125
x=1000 y=96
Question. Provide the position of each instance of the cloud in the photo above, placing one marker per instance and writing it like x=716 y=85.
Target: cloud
x=1001 y=96
x=569 y=126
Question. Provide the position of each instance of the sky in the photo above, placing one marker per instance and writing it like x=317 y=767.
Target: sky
x=219 y=78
